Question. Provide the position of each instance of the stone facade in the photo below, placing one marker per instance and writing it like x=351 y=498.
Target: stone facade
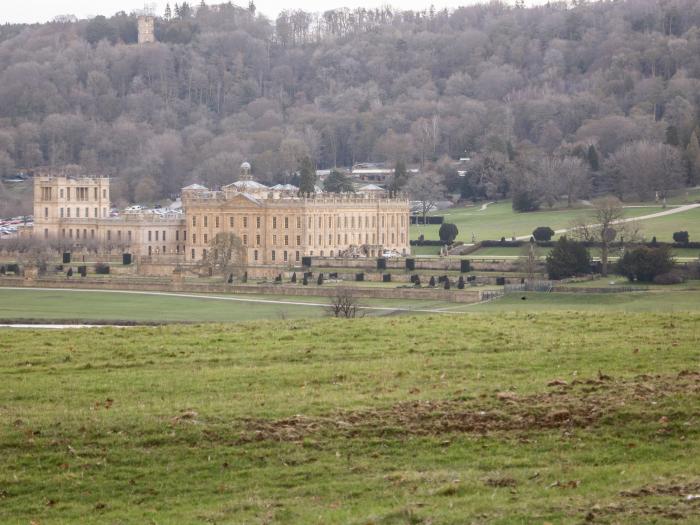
x=146 y=28
x=76 y=211
x=275 y=225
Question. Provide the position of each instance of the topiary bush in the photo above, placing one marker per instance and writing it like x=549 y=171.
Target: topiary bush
x=543 y=233
x=644 y=264
x=568 y=258
x=681 y=237
x=448 y=232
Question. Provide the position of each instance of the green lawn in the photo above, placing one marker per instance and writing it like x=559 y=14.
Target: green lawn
x=663 y=227
x=650 y=301
x=110 y=306
x=510 y=252
x=521 y=418
x=499 y=220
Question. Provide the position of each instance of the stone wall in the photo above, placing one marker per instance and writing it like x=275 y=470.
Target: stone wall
x=324 y=293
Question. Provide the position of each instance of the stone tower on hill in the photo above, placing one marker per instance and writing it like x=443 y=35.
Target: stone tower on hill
x=146 y=25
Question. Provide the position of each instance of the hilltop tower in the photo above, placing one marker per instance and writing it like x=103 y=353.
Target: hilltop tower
x=146 y=26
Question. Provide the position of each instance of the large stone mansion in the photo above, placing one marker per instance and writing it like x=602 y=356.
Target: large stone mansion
x=275 y=225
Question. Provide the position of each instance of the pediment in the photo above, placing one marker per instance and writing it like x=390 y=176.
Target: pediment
x=244 y=200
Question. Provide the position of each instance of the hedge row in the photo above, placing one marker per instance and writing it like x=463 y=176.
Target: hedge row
x=433 y=219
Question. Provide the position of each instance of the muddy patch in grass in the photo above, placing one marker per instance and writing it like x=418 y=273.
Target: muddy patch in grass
x=673 y=500
x=579 y=404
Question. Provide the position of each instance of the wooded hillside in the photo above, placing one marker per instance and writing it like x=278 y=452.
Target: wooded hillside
x=547 y=101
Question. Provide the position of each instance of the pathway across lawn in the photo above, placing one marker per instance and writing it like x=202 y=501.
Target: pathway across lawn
x=656 y=215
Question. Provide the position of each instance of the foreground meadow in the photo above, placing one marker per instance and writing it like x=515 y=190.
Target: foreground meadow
x=519 y=418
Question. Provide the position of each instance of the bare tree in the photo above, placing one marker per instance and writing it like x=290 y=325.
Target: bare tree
x=607 y=226
x=226 y=256
x=646 y=169
x=344 y=304
x=528 y=262
x=426 y=188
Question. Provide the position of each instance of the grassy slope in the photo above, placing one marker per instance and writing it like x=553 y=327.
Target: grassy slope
x=499 y=220
x=194 y=424
x=508 y=252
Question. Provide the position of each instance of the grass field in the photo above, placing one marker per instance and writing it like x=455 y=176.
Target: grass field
x=509 y=252
x=92 y=306
x=651 y=301
x=530 y=418
x=499 y=220
x=110 y=306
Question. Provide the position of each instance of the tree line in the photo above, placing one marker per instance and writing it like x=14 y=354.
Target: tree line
x=547 y=102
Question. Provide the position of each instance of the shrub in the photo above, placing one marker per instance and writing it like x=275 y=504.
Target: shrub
x=305 y=280
x=672 y=277
x=644 y=264
x=447 y=283
x=319 y=281
x=431 y=283
x=681 y=237
x=294 y=277
x=568 y=258
x=448 y=232
x=525 y=200
x=460 y=282
x=543 y=233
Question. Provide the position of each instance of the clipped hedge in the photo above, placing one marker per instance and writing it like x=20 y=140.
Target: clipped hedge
x=431 y=219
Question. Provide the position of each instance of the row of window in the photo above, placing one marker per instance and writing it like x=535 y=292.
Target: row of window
x=161 y=235
x=341 y=238
x=66 y=212
x=81 y=194
x=158 y=251
x=256 y=255
x=351 y=223
x=285 y=255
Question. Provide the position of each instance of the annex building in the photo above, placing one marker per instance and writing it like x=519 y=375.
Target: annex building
x=276 y=226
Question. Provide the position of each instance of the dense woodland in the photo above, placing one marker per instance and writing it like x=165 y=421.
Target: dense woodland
x=550 y=103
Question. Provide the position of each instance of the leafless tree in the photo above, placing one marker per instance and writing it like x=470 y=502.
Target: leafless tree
x=647 y=169
x=528 y=262
x=226 y=256
x=344 y=304
x=605 y=227
x=426 y=188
